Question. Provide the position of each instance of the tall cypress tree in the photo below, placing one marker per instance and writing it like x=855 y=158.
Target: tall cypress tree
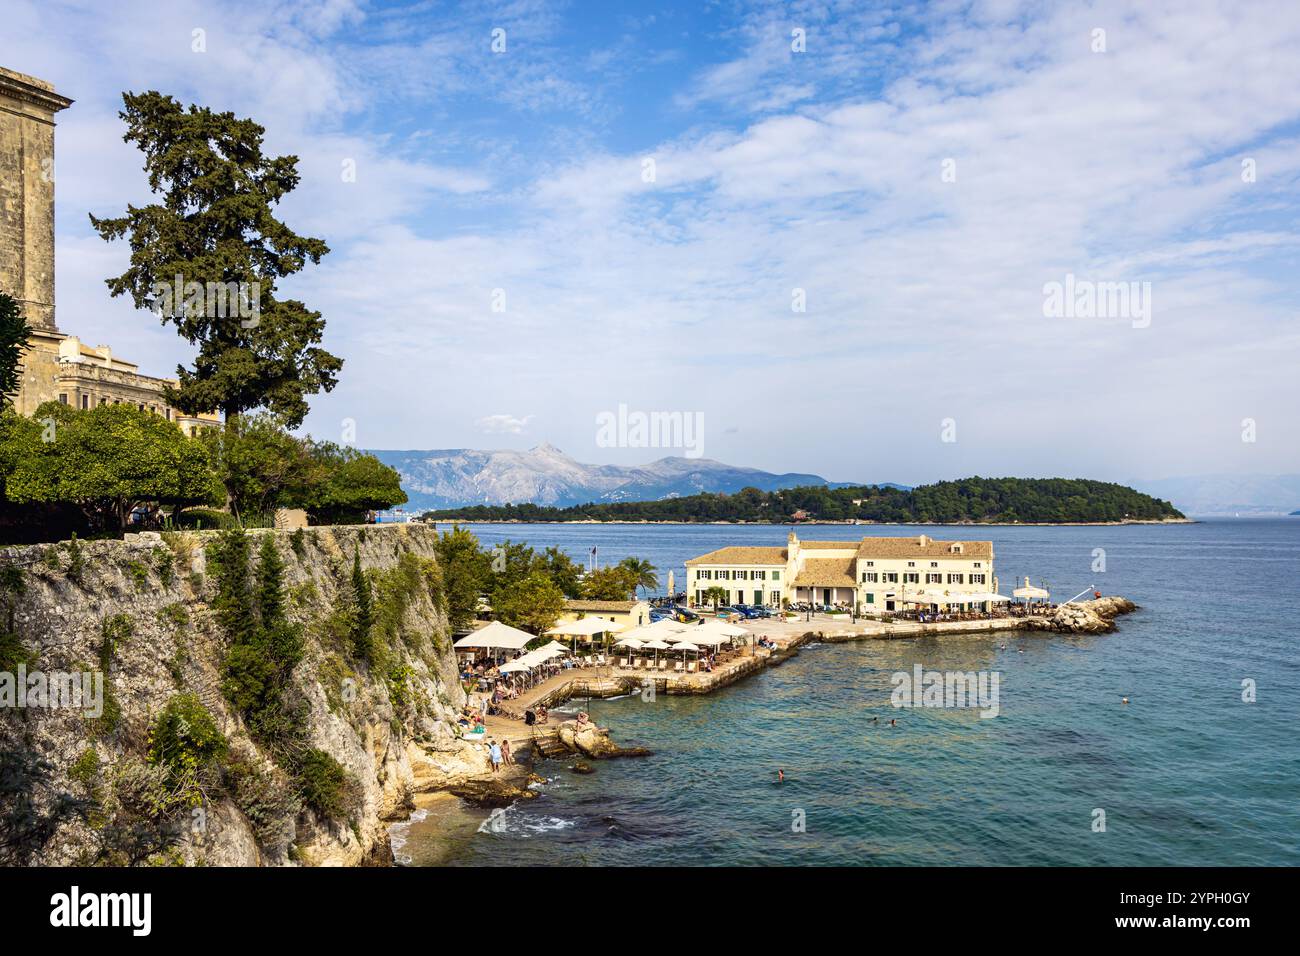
x=14 y=331
x=214 y=223
x=365 y=607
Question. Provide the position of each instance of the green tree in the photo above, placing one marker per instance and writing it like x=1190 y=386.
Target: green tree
x=614 y=583
x=349 y=484
x=215 y=223
x=14 y=332
x=563 y=570
x=642 y=570
x=465 y=574
x=261 y=466
x=106 y=460
x=715 y=595
x=364 y=620
x=533 y=603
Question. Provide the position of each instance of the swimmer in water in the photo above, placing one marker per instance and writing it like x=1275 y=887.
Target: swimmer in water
x=780 y=776
x=893 y=722
x=1123 y=700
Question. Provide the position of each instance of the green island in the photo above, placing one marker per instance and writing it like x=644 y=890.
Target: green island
x=967 y=500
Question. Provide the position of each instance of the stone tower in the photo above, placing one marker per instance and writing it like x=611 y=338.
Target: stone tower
x=27 y=108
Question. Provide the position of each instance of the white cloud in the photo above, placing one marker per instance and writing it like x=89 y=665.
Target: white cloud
x=503 y=424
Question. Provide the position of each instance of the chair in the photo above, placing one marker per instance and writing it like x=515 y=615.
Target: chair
x=663 y=664
x=678 y=666
x=692 y=667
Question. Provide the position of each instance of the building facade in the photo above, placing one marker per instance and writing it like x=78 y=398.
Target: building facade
x=874 y=574
x=57 y=367
x=627 y=613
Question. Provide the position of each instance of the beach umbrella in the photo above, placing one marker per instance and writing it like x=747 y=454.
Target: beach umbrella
x=631 y=642
x=1029 y=592
x=721 y=628
x=497 y=636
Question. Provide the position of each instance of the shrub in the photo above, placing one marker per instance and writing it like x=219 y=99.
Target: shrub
x=185 y=740
x=323 y=783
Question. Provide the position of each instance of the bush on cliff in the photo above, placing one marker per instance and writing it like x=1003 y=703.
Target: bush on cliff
x=187 y=743
x=323 y=784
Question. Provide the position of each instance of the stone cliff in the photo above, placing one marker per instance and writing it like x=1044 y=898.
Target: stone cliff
x=84 y=788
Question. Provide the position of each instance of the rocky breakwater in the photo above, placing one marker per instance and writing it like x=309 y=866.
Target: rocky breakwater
x=594 y=742
x=1085 y=617
x=255 y=709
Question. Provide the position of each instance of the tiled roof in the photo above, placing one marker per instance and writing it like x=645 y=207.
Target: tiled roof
x=826 y=573
x=828 y=545
x=922 y=546
x=741 y=555
x=572 y=604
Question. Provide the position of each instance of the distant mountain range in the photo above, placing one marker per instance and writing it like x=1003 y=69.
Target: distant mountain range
x=1227 y=494
x=451 y=478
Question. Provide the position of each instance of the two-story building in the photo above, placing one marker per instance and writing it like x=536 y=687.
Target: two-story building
x=874 y=574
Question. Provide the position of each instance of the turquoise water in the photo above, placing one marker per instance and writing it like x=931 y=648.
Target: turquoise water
x=1187 y=773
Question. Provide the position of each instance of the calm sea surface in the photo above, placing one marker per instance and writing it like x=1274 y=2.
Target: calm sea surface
x=1187 y=773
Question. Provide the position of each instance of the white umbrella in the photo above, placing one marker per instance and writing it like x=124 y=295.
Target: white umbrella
x=719 y=627
x=586 y=627
x=513 y=667
x=498 y=636
x=713 y=640
x=1029 y=592
x=554 y=646
x=631 y=642
x=685 y=646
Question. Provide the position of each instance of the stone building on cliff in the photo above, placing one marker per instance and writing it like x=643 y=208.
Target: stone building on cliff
x=57 y=366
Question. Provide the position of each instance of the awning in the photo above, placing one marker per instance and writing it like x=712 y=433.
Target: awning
x=1029 y=592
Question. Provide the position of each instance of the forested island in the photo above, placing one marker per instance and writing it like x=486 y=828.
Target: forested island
x=968 y=500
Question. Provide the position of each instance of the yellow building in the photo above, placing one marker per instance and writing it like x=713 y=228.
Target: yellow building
x=57 y=367
x=630 y=614
x=874 y=574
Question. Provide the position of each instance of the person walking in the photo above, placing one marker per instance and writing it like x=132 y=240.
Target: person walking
x=494 y=754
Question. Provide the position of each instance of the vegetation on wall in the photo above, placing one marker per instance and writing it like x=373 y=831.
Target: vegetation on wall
x=14 y=332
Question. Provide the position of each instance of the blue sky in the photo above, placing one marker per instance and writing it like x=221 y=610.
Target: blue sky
x=776 y=170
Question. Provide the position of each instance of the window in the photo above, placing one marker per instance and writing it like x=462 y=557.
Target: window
x=168 y=413
x=955 y=578
x=871 y=597
x=977 y=579
x=63 y=398
x=760 y=575
x=705 y=575
x=934 y=579
x=911 y=564
x=871 y=564
x=85 y=402
x=870 y=577
x=741 y=575
x=775 y=599
x=724 y=575
x=776 y=575
x=103 y=402
x=978 y=565
x=911 y=577
x=889 y=577
x=935 y=564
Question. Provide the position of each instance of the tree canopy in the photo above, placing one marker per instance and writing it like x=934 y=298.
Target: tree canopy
x=214 y=224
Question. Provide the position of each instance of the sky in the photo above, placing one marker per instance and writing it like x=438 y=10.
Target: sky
x=829 y=232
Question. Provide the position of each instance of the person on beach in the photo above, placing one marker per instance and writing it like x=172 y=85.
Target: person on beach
x=505 y=753
x=494 y=755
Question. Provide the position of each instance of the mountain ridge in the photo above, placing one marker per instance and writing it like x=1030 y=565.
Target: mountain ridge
x=545 y=475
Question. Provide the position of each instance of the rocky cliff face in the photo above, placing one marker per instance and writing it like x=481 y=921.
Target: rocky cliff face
x=76 y=787
x=1086 y=617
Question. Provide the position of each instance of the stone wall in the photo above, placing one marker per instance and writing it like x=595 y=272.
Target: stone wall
x=392 y=736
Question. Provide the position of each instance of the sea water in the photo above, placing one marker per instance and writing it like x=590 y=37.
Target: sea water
x=1186 y=773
